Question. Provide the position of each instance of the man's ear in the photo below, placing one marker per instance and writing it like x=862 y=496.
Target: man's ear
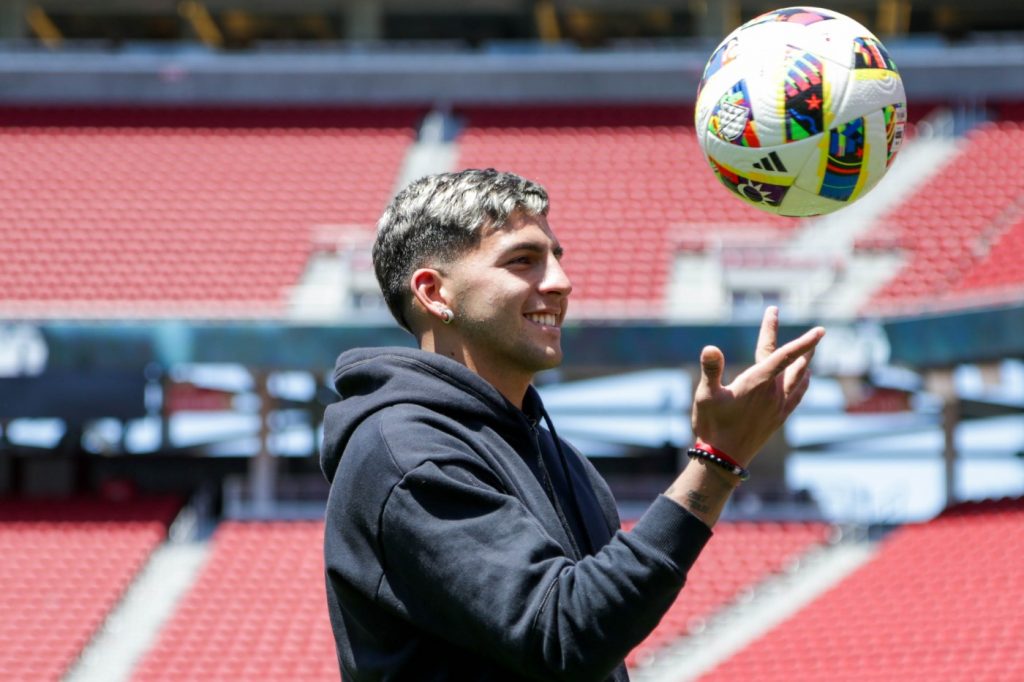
x=428 y=291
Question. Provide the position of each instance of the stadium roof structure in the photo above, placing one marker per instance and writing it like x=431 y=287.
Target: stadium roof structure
x=920 y=342
x=498 y=73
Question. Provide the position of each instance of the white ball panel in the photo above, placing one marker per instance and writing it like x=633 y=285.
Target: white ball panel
x=766 y=82
x=800 y=203
x=833 y=40
x=809 y=176
x=869 y=90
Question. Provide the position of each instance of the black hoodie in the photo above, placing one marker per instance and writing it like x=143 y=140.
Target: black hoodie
x=451 y=555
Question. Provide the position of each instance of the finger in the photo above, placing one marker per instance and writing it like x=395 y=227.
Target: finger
x=797 y=371
x=712 y=363
x=768 y=337
x=789 y=353
x=794 y=398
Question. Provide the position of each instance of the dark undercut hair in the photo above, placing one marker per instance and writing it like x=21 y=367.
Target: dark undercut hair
x=438 y=218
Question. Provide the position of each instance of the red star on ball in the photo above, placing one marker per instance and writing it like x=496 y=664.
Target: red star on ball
x=813 y=102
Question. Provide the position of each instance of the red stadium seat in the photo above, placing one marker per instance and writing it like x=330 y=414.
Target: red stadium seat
x=206 y=209
x=958 y=231
x=741 y=555
x=940 y=601
x=258 y=610
x=1002 y=266
x=64 y=564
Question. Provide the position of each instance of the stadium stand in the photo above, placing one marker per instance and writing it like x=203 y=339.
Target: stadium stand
x=258 y=610
x=740 y=555
x=258 y=607
x=1002 y=267
x=192 y=212
x=629 y=185
x=941 y=600
x=955 y=230
x=64 y=564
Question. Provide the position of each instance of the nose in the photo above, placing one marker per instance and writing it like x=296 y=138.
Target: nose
x=555 y=280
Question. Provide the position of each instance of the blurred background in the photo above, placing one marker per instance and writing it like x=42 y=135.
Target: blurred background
x=189 y=193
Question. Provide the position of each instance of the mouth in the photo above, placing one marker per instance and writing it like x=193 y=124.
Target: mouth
x=543 y=319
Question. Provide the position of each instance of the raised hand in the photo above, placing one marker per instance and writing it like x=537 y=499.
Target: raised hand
x=738 y=418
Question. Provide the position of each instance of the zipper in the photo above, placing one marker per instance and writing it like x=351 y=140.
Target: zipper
x=550 y=489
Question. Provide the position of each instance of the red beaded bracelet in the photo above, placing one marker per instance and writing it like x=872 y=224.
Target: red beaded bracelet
x=701 y=445
x=707 y=452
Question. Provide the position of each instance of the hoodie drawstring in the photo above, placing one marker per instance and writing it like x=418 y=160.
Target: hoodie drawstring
x=549 y=488
x=568 y=478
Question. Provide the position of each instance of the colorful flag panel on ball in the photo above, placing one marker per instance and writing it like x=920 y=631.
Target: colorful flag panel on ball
x=732 y=119
x=847 y=153
x=804 y=96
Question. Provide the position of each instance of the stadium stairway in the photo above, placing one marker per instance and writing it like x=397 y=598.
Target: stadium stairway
x=834 y=235
x=132 y=627
x=954 y=249
x=923 y=155
x=435 y=149
x=757 y=611
x=338 y=275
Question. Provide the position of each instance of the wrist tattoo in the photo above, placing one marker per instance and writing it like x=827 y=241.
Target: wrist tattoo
x=698 y=501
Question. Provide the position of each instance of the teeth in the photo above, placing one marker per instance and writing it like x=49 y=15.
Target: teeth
x=545 y=319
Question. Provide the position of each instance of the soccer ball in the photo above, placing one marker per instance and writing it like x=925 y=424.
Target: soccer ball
x=800 y=111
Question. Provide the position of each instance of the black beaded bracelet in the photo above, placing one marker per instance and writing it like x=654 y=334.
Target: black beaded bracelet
x=715 y=459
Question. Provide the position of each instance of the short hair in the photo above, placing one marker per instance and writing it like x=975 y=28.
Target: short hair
x=438 y=218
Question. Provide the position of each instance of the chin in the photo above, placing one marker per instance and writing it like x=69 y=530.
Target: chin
x=536 y=358
x=552 y=358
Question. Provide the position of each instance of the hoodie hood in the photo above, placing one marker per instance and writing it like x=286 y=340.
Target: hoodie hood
x=371 y=379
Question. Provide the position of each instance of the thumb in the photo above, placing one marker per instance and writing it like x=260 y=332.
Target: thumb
x=711 y=363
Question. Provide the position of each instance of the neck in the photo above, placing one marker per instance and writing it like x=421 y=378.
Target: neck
x=510 y=385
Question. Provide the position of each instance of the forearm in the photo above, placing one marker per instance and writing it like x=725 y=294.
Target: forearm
x=703 y=488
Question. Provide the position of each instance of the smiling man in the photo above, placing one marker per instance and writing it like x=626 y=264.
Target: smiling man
x=464 y=539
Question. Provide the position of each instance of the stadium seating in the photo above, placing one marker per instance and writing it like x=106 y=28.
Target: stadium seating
x=258 y=610
x=213 y=212
x=628 y=185
x=940 y=601
x=740 y=555
x=64 y=564
x=959 y=231
x=201 y=213
x=1002 y=268
x=258 y=607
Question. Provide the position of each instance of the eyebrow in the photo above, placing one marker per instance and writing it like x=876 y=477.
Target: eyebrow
x=533 y=247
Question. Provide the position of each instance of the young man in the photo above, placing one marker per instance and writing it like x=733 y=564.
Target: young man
x=464 y=540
